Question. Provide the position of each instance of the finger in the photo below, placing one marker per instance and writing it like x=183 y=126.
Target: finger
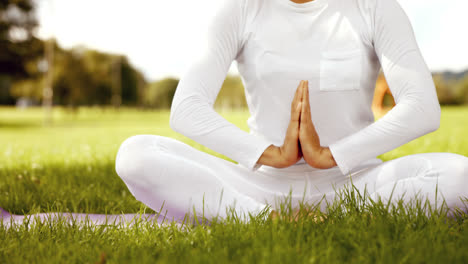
x=296 y=108
x=306 y=93
x=296 y=114
x=306 y=104
x=297 y=95
x=299 y=104
x=292 y=132
x=299 y=91
x=307 y=101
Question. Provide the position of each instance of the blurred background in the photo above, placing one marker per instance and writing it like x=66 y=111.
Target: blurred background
x=131 y=53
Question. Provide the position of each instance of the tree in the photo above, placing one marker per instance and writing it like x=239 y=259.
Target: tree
x=461 y=90
x=232 y=95
x=444 y=89
x=18 y=45
x=84 y=77
x=159 y=94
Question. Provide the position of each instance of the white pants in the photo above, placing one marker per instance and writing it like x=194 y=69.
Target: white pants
x=167 y=174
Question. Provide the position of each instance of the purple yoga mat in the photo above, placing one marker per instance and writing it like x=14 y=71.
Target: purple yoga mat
x=96 y=219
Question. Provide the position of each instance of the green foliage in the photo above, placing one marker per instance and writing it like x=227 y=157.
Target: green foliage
x=159 y=94
x=5 y=83
x=461 y=90
x=451 y=90
x=69 y=167
x=18 y=45
x=85 y=77
x=231 y=95
x=445 y=90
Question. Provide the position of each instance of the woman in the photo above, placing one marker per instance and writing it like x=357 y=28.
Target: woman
x=307 y=137
x=309 y=69
x=326 y=138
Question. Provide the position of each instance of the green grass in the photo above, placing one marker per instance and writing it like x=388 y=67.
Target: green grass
x=69 y=167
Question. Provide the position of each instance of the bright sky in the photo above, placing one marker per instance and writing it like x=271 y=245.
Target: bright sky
x=160 y=36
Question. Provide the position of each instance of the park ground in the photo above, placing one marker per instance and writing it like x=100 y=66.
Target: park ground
x=69 y=167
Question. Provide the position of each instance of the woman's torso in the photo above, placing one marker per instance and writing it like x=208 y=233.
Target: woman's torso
x=327 y=42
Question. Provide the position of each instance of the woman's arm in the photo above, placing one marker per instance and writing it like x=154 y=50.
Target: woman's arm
x=417 y=110
x=192 y=112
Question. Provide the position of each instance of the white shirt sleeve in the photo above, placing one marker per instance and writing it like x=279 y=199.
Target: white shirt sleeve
x=192 y=112
x=417 y=110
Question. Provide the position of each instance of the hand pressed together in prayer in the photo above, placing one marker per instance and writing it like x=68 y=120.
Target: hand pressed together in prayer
x=301 y=138
x=314 y=154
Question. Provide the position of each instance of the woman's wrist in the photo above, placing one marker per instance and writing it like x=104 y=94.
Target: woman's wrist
x=271 y=157
x=327 y=157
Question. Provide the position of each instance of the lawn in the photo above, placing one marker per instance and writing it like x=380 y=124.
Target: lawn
x=69 y=167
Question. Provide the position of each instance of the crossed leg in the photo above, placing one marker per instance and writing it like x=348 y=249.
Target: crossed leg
x=433 y=177
x=167 y=174
x=159 y=169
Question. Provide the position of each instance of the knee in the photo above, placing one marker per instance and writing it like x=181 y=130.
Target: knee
x=133 y=154
x=452 y=171
x=456 y=165
x=444 y=163
x=459 y=166
x=455 y=174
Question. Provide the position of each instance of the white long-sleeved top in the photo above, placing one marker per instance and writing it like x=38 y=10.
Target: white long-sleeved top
x=339 y=46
